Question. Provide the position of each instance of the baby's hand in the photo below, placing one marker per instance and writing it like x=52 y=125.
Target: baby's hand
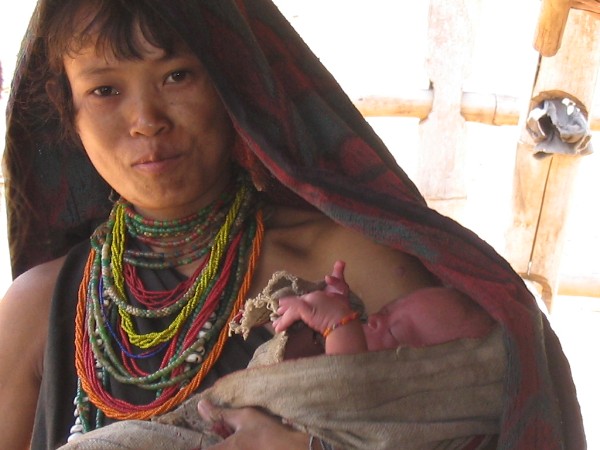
x=318 y=309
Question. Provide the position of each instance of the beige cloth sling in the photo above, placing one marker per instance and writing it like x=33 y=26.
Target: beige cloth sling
x=430 y=398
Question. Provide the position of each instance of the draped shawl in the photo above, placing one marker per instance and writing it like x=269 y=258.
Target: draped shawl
x=290 y=112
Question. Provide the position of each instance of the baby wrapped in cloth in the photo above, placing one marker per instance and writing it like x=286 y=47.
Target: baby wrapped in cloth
x=434 y=397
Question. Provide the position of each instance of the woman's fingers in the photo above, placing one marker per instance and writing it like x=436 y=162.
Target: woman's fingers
x=250 y=429
x=216 y=417
x=232 y=419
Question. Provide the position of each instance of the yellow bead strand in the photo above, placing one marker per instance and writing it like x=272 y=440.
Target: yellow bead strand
x=149 y=340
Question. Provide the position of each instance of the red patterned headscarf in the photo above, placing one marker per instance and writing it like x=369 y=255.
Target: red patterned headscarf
x=298 y=123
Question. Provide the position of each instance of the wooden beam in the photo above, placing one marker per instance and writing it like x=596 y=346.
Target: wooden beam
x=591 y=6
x=551 y=26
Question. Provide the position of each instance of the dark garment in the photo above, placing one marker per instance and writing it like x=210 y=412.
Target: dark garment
x=54 y=415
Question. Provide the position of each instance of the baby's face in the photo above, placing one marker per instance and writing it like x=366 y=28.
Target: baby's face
x=388 y=328
x=428 y=316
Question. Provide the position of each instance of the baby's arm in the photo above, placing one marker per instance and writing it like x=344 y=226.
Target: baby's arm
x=327 y=312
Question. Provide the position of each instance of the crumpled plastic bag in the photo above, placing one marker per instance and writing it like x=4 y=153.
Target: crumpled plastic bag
x=558 y=126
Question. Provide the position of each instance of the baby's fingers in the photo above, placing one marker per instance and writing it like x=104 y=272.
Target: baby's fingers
x=338 y=269
x=284 y=321
x=289 y=312
x=336 y=286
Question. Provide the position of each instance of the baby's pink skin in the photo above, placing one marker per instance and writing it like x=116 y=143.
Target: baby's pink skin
x=317 y=309
x=425 y=317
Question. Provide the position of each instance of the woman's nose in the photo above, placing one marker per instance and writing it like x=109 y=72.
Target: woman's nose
x=148 y=117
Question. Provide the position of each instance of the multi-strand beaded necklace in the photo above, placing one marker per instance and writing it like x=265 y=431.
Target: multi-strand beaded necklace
x=225 y=238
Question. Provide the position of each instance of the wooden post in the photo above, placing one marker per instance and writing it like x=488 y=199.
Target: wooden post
x=551 y=26
x=542 y=188
x=441 y=169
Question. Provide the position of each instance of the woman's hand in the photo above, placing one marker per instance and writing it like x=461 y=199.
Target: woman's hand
x=250 y=429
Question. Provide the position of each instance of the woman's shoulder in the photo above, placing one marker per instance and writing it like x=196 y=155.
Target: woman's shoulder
x=32 y=290
x=24 y=311
x=36 y=283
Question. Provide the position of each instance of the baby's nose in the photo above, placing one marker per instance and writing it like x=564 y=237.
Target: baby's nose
x=374 y=321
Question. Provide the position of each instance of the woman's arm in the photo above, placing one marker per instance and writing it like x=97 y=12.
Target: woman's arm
x=23 y=327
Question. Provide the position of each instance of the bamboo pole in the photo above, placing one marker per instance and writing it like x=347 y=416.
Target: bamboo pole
x=489 y=109
x=580 y=285
x=542 y=188
x=417 y=104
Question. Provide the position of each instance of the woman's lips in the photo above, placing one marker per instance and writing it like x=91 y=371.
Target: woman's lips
x=156 y=164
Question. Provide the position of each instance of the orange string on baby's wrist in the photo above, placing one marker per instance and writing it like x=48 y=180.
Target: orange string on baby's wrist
x=343 y=321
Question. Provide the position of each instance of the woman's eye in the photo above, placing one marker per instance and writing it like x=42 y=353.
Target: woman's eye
x=105 y=91
x=177 y=76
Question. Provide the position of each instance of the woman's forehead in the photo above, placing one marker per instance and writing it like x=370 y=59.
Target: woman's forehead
x=89 y=64
x=97 y=47
x=116 y=36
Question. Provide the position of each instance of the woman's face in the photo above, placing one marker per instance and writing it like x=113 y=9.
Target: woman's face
x=154 y=128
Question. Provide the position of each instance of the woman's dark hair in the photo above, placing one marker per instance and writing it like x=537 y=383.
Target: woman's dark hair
x=112 y=26
x=39 y=129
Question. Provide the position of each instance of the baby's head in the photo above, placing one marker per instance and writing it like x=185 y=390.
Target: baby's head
x=428 y=316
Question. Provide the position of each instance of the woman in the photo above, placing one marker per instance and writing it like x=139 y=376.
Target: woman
x=163 y=96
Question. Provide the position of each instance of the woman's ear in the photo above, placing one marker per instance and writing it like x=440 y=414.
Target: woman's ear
x=58 y=90
x=53 y=92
